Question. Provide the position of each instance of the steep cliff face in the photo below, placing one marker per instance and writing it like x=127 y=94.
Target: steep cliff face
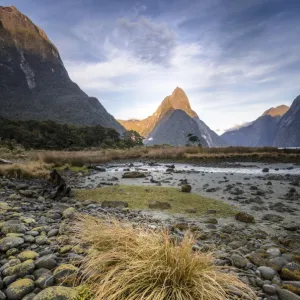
x=34 y=83
x=174 y=112
x=173 y=130
x=288 y=128
x=258 y=133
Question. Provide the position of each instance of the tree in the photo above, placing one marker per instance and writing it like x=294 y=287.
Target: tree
x=132 y=138
x=193 y=140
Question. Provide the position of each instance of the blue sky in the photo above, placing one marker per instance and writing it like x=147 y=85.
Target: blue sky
x=233 y=58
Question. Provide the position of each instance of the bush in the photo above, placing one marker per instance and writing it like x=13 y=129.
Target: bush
x=127 y=263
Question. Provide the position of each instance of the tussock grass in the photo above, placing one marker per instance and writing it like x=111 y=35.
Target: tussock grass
x=139 y=264
x=81 y=158
x=138 y=197
x=28 y=170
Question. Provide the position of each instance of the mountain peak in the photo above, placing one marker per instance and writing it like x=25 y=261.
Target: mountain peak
x=178 y=100
x=22 y=33
x=276 y=111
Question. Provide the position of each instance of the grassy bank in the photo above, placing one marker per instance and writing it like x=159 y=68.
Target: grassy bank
x=28 y=170
x=188 y=154
x=139 y=197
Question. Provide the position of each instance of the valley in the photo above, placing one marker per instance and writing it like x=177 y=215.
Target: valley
x=160 y=208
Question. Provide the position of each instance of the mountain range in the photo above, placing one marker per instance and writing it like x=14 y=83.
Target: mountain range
x=278 y=127
x=172 y=122
x=34 y=83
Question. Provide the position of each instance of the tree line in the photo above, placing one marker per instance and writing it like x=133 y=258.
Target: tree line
x=51 y=135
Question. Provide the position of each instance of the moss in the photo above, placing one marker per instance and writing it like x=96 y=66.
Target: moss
x=78 y=249
x=65 y=249
x=18 y=286
x=57 y=292
x=291 y=275
x=84 y=293
x=22 y=269
x=291 y=288
x=26 y=255
x=138 y=197
x=66 y=274
x=4 y=206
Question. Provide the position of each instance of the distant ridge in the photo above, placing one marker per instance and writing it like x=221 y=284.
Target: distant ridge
x=259 y=133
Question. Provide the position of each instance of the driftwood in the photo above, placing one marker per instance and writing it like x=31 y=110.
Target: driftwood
x=5 y=162
x=61 y=188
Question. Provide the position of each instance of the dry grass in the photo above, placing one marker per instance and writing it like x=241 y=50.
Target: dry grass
x=138 y=197
x=138 y=264
x=33 y=169
x=81 y=158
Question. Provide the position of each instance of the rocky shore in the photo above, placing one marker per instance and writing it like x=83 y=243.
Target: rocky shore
x=38 y=257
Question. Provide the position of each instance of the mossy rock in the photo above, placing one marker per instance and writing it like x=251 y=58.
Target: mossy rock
x=13 y=226
x=12 y=252
x=291 y=271
x=65 y=274
x=42 y=240
x=25 y=255
x=57 y=293
x=186 y=188
x=21 y=269
x=65 y=249
x=244 y=217
x=28 y=220
x=133 y=174
x=10 y=242
x=292 y=286
x=20 y=288
x=84 y=293
x=69 y=213
x=78 y=249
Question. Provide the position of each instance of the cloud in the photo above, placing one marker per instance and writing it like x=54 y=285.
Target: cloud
x=234 y=59
x=147 y=40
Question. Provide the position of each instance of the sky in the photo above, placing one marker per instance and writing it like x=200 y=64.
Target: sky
x=233 y=58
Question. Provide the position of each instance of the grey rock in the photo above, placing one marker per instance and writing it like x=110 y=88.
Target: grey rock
x=267 y=273
x=52 y=233
x=277 y=263
x=56 y=293
x=239 y=261
x=2 y=296
x=45 y=280
x=114 y=204
x=273 y=252
x=269 y=289
x=10 y=242
x=46 y=262
x=21 y=269
x=20 y=288
x=286 y=295
x=13 y=226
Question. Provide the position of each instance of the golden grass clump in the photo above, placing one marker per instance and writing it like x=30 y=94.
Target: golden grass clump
x=139 y=264
x=28 y=170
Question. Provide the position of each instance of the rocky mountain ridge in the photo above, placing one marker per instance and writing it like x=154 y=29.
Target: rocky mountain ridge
x=34 y=83
x=288 y=127
x=259 y=133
